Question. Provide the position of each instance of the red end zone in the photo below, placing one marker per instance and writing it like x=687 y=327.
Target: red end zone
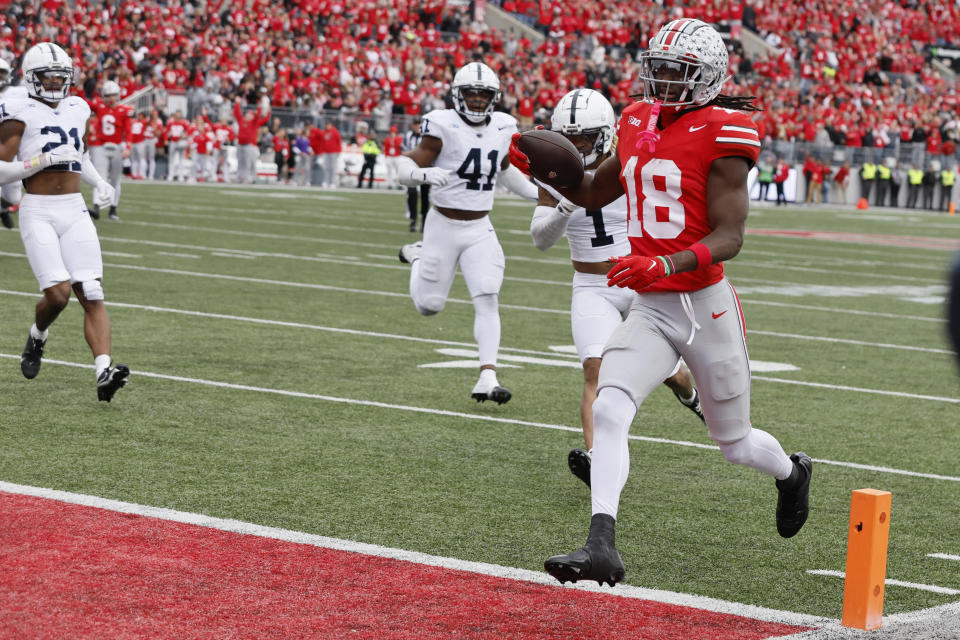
x=82 y=572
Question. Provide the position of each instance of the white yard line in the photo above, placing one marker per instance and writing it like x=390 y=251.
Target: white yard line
x=943 y=556
x=220 y=316
x=469 y=416
x=511 y=573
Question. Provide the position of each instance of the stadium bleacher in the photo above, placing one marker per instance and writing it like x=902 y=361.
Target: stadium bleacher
x=829 y=77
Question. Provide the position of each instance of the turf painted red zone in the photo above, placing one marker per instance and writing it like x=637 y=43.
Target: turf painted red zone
x=69 y=571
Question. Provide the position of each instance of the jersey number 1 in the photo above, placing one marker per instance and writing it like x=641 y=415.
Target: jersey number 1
x=471 y=171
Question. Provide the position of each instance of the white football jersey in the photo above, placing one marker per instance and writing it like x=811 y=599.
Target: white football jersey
x=595 y=236
x=15 y=92
x=46 y=127
x=472 y=154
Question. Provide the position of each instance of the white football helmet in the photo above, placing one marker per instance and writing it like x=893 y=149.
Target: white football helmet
x=5 y=72
x=586 y=112
x=45 y=60
x=685 y=64
x=110 y=88
x=475 y=76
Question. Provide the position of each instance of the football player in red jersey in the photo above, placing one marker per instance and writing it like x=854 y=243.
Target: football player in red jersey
x=682 y=160
x=113 y=128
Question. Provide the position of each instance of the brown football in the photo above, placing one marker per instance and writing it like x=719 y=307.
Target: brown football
x=553 y=159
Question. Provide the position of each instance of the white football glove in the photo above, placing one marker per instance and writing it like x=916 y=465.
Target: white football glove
x=63 y=154
x=103 y=194
x=435 y=176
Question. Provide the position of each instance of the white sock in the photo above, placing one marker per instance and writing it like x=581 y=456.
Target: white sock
x=37 y=334
x=613 y=411
x=486 y=327
x=689 y=401
x=101 y=362
x=489 y=376
x=761 y=451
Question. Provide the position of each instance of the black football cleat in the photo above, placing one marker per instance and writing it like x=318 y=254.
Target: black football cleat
x=598 y=559
x=693 y=405
x=95 y=212
x=110 y=380
x=793 y=504
x=113 y=214
x=31 y=357
x=490 y=390
x=410 y=252
x=5 y=219
x=579 y=462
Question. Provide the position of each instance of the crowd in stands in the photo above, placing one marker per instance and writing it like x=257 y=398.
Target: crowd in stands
x=847 y=72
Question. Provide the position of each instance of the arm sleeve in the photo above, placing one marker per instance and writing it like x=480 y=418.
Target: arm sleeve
x=514 y=180
x=548 y=226
x=16 y=170
x=88 y=173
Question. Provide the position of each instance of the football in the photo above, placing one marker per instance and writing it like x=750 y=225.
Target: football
x=553 y=159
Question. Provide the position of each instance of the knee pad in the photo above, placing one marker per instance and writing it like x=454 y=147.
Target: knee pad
x=92 y=290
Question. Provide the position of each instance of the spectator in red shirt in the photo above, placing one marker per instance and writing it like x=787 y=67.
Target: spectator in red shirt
x=525 y=111
x=332 y=146
x=391 y=151
x=780 y=175
x=248 y=124
x=842 y=179
x=282 y=156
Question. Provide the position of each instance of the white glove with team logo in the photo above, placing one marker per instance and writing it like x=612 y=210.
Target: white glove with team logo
x=435 y=176
x=103 y=194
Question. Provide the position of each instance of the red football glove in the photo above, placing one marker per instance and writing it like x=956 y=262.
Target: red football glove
x=518 y=158
x=637 y=272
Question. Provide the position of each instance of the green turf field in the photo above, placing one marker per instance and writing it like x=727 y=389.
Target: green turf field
x=281 y=376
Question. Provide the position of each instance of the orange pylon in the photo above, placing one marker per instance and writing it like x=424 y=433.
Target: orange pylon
x=862 y=204
x=952 y=210
x=866 y=573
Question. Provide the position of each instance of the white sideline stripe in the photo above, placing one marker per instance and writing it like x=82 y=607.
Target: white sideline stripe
x=943 y=556
x=301 y=325
x=511 y=573
x=932 y=588
x=471 y=416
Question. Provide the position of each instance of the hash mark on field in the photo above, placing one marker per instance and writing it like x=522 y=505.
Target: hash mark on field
x=173 y=254
x=472 y=416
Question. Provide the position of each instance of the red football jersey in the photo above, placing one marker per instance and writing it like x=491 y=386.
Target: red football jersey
x=667 y=190
x=113 y=122
x=137 y=129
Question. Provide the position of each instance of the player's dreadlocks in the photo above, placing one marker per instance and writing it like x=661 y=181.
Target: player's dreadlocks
x=740 y=103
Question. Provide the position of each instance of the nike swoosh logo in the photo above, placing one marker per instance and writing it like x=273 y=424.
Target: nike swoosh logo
x=502 y=128
x=692 y=129
x=717 y=315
